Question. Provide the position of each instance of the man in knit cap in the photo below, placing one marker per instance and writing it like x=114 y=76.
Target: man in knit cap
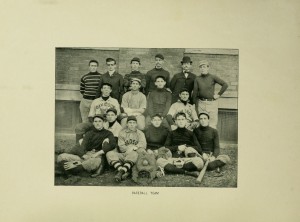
x=157 y=71
x=131 y=141
x=208 y=140
x=135 y=73
x=204 y=93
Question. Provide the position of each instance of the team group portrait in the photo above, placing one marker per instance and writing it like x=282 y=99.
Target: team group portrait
x=161 y=117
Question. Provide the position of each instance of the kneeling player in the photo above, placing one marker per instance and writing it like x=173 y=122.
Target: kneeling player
x=131 y=141
x=185 y=158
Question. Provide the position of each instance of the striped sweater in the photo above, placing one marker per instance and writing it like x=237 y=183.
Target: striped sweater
x=89 y=85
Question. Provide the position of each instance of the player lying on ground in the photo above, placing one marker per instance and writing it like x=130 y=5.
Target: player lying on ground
x=91 y=153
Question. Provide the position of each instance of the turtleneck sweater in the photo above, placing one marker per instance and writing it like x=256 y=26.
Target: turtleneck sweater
x=159 y=102
x=156 y=136
x=208 y=139
x=135 y=74
x=180 y=136
x=89 y=85
x=152 y=74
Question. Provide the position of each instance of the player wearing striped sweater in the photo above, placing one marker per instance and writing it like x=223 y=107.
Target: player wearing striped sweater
x=88 y=88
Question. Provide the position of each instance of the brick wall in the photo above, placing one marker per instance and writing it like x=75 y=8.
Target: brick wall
x=72 y=63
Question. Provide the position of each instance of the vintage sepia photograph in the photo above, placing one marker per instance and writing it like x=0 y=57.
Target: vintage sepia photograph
x=162 y=117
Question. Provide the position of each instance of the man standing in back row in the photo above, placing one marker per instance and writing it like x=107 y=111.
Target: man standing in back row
x=157 y=71
x=184 y=79
x=88 y=88
x=204 y=93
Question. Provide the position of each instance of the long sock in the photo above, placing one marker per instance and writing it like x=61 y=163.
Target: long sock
x=127 y=165
x=170 y=168
x=215 y=164
x=189 y=166
x=117 y=165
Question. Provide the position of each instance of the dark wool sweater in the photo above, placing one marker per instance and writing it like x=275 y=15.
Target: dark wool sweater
x=159 y=102
x=181 y=136
x=116 y=80
x=204 y=86
x=89 y=85
x=156 y=136
x=208 y=139
x=94 y=138
x=150 y=78
x=135 y=74
x=179 y=82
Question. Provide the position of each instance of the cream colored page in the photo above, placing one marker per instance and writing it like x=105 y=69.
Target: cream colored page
x=267 y=36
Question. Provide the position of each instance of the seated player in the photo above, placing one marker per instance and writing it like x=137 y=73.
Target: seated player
x=159 y=101
x=112 y=123
x=183 y=105
x=156 y=134
x=134 y=104
x=183 y=157
x=99 y=106
x=208 y=139
x=131 y=141
x=90 y=154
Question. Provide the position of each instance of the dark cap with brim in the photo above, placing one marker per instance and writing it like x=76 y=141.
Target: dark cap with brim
x=129 y=118
x=159 y=56
x=112 y=110
x=101 y=116
x=203 y=113
x=136 y=59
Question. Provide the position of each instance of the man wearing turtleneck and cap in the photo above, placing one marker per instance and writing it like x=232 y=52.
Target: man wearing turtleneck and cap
x=135 y=73
x=159 y=102
x=183 y=105
x=208 y=140
x=157 y=71
x=205 y=98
